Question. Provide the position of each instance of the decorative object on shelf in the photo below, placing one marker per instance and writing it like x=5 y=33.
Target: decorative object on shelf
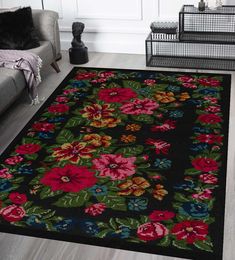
x=164 y=27
x=218 y=4
x=78 y=54
x=201 y=5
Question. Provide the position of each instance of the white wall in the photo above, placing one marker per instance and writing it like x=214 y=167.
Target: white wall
x=110 y=25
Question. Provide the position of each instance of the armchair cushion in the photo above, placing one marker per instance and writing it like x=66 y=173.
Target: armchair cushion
x=17 y=30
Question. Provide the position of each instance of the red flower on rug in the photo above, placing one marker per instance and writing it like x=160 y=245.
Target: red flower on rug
x=151 y=231
x=97 y=112
x=190 y=85
x=115 y=166
x=213 y=109
x=58 y=108
x=111 y=95
x=12 y=213
x=159 y=215
x=205 y=164
x=208 y=178
x=150 y=82
x=139 y=107
x=17 y=198
x=190 y=231
x=14 y=160
x=166 y=126
x=160 y=146
x=44 y=127
x=73 y=152
x=210 y=138
x=70 y=178
x=209 y=82
x=4 y=174
x=203 y=195
x=28 y=148
x=95 y=209
x=62 y=99
x=209 y=119
x=85 y=75
x=106 y=74
x=186 y=79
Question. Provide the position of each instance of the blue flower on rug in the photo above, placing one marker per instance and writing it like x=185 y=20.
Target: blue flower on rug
x=194 y=209
x=137 y=204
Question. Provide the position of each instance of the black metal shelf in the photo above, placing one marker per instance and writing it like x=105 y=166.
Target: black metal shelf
x=206 y=40
x=191 y=63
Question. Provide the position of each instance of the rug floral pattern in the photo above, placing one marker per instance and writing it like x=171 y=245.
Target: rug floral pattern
x=121 y=155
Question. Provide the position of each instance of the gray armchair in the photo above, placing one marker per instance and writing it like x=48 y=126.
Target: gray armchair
x=12 y=82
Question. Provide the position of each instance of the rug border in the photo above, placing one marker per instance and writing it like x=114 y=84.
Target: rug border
x=123 y=245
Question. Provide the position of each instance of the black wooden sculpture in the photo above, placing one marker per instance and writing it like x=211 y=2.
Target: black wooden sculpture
x=78 y=54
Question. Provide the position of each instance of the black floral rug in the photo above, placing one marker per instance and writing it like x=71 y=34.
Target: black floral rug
x=126 y=159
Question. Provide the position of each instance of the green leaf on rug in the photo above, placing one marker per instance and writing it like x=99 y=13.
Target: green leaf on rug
x=147 y=119
x=30 y=157
x=73 y=199
x=192 y=171
x=165 y=241
x=204 y=246
x=74 y=121
x=128 y=222
x=180 y=197
x=65 y=136
x=131 y=84
x=46 y=192
x=113 y=201
x=103 y=233
x=130 y=151
x=181 y=244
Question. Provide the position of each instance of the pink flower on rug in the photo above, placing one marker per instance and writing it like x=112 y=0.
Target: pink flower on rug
x=160 y=146
x=159 y=215
x=209 y=119
x=210 y=82
x=213 y=109
x=166 y=126
x=62 y=99
x=100 y=80
x=95 y=209
x=185 y=79
x=210 y=138
x=212 y=100
x=190 y=85
x=190 y=231
x=70 y=178
x=139 y=106
x=70 y=91
x=12 y=213
x=111 y=95
x=203 y=195
x=85 y=75
x=17 y=198
x=28 y=148
x=43 y=127
x=58 y=108
x=205 y=164
x=14 y=160
x=208 y=178
x=115 y=166
x=150 y=82
x=4 y=174
x=106 y=74
x=151 y=231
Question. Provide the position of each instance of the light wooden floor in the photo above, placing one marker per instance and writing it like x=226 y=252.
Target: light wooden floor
x=15 y=247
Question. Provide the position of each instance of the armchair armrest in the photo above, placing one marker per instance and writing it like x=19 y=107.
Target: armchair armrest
x=46 y=23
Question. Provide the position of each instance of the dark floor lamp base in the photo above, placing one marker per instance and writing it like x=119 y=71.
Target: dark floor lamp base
x=78 y=55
